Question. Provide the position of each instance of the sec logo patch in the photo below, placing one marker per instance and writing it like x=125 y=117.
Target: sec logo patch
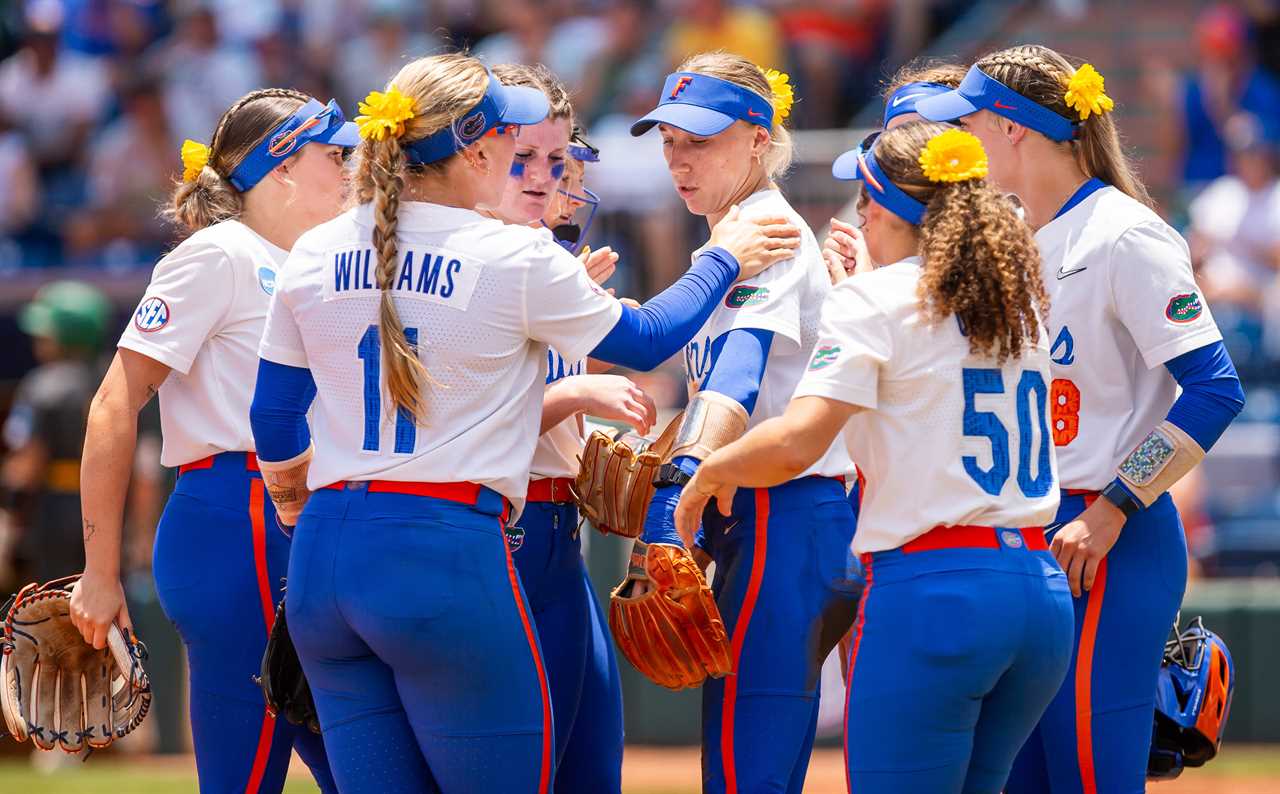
x=267 y=279
x=515 y=537
x=152 y=315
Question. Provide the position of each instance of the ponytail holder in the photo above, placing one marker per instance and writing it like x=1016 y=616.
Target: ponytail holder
x=783 y=95
x=1085 y=93
x=383 y=115
x=953 y=156
x=195 y=156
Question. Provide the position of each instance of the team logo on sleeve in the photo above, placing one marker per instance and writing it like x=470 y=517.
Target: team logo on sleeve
x=152 y=315
x=824 y=356
x=267 y=279
x=1184 y=308
x=746 y=295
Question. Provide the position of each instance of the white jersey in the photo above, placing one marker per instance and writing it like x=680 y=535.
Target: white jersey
x=787 y=300
x=480 y=298
x=556 y=453
x=202 y=316
x=1122 y=302
x=947 y=438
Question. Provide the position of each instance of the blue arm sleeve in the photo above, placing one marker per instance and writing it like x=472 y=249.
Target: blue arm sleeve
x=740 y=357
x=1211 y=395
x=278 y=414
x=644 y=338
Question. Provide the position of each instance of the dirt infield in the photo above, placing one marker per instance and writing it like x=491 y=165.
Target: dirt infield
x=676 y=770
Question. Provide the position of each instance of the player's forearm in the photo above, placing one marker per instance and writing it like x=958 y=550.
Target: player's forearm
x=105 y=467
x=560 y=401
x=762 y=458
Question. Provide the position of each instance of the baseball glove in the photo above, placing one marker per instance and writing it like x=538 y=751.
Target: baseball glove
x=614 y=485
x=284 y=685
x=55 y=688
x=672 y=633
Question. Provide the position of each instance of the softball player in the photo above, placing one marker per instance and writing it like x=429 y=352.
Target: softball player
x=273 y=170
x=582 y=671
x=783 y=578
x=1128 y=327
x=936 y=368
x=420 y=329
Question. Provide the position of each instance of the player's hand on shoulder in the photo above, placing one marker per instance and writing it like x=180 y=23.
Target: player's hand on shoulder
x=757 y=243
x=1082 y=544
x=845 y=251
x=599 y=263
x=618 y=398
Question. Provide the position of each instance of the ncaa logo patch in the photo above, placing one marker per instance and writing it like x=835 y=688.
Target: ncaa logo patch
x=1184 y=308
x=152 y=315
x=267 y=280
x=515 y=537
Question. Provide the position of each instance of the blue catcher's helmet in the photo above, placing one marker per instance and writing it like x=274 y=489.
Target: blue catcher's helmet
x=1193 y=698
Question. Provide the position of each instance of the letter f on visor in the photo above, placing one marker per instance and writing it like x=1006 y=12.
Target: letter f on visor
x=681 y=85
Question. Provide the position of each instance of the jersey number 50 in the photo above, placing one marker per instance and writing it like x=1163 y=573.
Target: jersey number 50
x=987 y=424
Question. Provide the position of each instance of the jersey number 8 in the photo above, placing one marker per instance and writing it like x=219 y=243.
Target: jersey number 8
x=987 y=424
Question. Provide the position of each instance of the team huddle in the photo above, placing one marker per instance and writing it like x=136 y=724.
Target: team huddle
x=940 y=441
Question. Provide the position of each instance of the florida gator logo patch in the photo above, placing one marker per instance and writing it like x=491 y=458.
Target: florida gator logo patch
x=1184 y=308
x=746 y=295
x=824 y=356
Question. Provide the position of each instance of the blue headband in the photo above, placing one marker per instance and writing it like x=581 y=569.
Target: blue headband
x=980 y=91
x=903 y=101
x=860 y=164
x=500 y=105
x=705 y=105
x=311 y=122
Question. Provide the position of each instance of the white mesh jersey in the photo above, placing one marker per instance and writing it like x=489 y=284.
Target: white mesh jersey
x=557 y=450
x=202 y=316
x=787 y=300
x=482 y=300
x=1122 y=302
x=946 y=438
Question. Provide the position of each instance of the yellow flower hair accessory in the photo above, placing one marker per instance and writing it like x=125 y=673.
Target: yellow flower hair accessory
x=384 y=114
x=1085 y=93
x=953 y=156
x=195 y=156
x=783 y=96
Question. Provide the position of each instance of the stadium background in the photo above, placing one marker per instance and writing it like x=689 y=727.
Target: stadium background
x=97 y=95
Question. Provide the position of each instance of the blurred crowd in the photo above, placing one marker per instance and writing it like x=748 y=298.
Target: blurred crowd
x=96 y=96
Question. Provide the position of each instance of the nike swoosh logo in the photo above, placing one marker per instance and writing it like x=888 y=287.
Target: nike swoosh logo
x=1003 y=106
x=899 y=100
x=1064 y=273
x=754 y=114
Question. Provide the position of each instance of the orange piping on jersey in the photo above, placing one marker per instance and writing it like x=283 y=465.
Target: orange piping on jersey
x=544 y=777
x=858 y=625
x=1084 y=681
x=740 y=638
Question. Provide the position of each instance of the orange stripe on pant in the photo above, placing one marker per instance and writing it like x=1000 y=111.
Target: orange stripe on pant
x=1084 y=681
x=858 y=623
x=544 y=778
x=740 y=638
x=257 y=516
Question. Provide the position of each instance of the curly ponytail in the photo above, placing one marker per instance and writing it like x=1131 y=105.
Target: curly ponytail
x=980 y=261
x=210 y=198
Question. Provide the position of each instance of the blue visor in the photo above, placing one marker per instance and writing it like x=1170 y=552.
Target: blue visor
x=703 y=105
x=501 y=104
x=313 y=122
x=860 y=164
x=980 y=91
x=903 y=101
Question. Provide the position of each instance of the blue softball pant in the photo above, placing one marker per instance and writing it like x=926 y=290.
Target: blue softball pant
x=417 y=640
x=586 y=691
x=956 y=652
x=1096 y=734
x=219 y=561
x=787 y=586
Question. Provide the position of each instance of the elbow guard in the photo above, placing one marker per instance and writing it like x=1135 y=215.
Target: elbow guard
x=711 y=421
